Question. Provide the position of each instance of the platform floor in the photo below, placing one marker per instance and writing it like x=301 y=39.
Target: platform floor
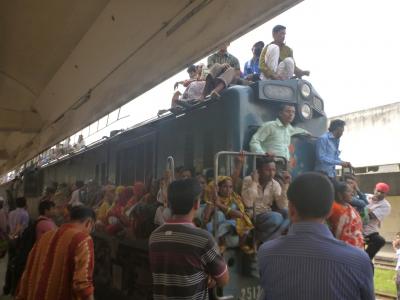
x=386 y=253
x=3 y=267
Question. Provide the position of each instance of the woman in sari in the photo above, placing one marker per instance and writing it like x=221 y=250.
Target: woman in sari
x=116 y=218
x=231 y=216
x=344 y=220
x=138 y=193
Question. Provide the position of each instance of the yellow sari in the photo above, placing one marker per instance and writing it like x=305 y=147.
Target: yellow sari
x=243 y=225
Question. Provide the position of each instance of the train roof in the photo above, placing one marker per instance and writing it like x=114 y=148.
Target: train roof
x=169 y=115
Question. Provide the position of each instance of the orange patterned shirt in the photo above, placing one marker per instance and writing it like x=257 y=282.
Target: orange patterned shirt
x=346 y=224
x=59 y=267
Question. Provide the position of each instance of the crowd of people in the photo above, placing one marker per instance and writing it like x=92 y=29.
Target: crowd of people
x=355 y=217
x=178 y=217
x=274 y=61
x=61 y=149
x=315 y=236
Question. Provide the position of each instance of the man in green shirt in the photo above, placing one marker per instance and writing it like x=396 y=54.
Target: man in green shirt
x=276 y=59
x=273 y=138
x=222 y=56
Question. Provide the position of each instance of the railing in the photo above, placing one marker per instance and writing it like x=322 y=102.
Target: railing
x=171 y=166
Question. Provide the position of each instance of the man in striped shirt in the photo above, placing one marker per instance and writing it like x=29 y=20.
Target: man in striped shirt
x=309 y=263
x=184 y=259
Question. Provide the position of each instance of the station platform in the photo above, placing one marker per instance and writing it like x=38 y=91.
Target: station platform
x=387 y=254
x=3 y=267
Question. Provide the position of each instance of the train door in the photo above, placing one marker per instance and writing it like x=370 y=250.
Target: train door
x=136 y=160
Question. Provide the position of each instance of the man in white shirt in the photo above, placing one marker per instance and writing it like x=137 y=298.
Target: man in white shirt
x=76 y=194
x=378 y=209
x=262 y=192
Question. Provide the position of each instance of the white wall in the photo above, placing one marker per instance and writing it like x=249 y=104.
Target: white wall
x=372 y=136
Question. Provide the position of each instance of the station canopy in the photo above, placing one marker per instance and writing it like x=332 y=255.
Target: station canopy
x=67 y=63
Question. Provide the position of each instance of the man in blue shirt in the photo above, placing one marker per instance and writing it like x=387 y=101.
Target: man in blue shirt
x=309 y=263
x=327 y=150
x=251 y=70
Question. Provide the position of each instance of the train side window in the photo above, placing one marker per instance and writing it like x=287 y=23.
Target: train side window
x=126 y=165
x=113 y=116
x=96 y=174
x=208 y=150
x=140 y=163
x=189 y=151
x=118 y=169
x=130 y=164
x=103 y=173
x=149 y=153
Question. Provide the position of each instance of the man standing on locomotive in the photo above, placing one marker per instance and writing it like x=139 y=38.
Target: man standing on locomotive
x=261 y=193
x=327 y=150
x=273 y=138
x=276 y=59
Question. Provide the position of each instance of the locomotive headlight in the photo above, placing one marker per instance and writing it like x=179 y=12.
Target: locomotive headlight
x=306 y=111
x=305 y=90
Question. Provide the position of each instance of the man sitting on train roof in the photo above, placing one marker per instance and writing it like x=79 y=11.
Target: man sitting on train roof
x=219 y=77
x=222 y=56
x=276 y=59
x=273 y=137
x=80 y=144
x=251 y=70
x=262 y=192
x=194 y=85
x=193 y=72
x=203 y=83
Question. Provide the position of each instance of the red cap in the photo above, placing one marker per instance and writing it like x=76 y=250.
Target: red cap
x=382 y=187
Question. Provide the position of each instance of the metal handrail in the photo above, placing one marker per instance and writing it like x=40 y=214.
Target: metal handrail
x=350 y=171
x=245 y=153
